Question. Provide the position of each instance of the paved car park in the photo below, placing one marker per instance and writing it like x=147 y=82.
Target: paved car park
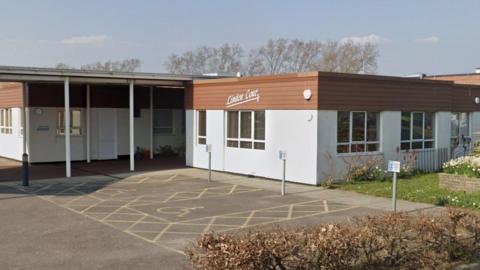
x=148 y=219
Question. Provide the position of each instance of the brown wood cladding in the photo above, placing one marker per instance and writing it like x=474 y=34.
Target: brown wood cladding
x=11 y=95
x=276 y=92
x=356 y=93
x=51 y=95
x=459 y=79
x=334 y=91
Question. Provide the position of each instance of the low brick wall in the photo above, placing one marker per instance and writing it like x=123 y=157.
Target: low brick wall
x=459 y=182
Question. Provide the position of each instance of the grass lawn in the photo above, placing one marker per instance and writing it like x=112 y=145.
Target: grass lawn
x=420 y=188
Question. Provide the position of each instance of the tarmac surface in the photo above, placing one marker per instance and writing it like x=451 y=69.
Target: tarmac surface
x=146 y=220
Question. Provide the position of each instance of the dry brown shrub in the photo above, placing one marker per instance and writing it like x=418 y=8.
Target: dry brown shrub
x=389 y=241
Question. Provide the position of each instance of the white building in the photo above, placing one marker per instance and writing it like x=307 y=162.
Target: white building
x=320 y=119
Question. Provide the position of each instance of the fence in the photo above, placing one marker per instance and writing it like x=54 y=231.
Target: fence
x=426 y=160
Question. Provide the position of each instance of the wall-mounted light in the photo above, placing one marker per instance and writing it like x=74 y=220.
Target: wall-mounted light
x=477 y=100
x=307 y=94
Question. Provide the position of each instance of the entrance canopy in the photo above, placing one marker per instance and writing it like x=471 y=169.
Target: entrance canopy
x=135 y=81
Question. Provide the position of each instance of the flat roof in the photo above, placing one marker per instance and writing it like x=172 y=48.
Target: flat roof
x=454 y=74
x=37 y=74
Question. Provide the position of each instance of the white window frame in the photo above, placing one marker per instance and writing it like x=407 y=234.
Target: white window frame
x=61 y=124
x=172 y=127
x=252 y=139
x=6 y=121
x=365 y=142
x=455 y=139
x=201 y=137
x=422 y=140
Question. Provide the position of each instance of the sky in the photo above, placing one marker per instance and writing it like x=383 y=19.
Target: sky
x=429 y=36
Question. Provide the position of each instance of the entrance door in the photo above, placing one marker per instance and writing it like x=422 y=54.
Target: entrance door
x=107 y=134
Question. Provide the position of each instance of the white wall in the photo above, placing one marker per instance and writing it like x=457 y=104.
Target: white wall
x=329 y=162
x=47 y=146
x=294 y=131
x=11 y=145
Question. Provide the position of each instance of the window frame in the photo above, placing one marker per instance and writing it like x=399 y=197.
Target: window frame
x=6 y=121
x=365 y=142
x=172 y=127
x=61 y=124
x=455 y=139
x=411 y=140
x=254 y=142
x=201 y=139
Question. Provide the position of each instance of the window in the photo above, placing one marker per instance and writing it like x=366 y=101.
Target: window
x=357 y=132
x=246 y=129
x=202 y=127
x=417 y=130
x=460 y=129
x=6 y=121
x=75 y=123
x=163 y=122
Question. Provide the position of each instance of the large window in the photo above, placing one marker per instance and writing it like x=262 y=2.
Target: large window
x=357 y=132
x=202 y=127
x=417 y=130
x=75 y=122
x=460 y=129
x=246 y=129
x=163 y=121
x=6 y=121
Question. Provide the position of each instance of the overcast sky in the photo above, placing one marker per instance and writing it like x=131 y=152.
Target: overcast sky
x=433 y=37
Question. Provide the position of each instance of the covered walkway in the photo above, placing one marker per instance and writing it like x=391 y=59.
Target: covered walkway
x=12 y=170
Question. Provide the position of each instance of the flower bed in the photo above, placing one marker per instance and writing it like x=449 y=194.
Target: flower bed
x=468 y=166
x=461 y=174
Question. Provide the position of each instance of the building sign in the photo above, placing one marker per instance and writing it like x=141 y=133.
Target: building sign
x=249 y=95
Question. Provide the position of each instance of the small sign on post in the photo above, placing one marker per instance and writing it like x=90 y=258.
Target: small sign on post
x=394 y=166
x=208 y=149
x=282 y=155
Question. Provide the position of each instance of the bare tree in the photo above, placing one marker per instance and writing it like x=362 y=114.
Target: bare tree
x=63 y=66
x=226 y=58
x=303 y=55
x=272 y=57
x=279 y=56
x=127 y=65
x=349 y=57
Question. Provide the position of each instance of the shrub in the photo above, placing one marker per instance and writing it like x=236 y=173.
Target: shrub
x=389 y=241
x=365 y=168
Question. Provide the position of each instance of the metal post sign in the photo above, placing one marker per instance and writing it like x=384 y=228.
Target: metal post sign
x=282 y=155
x=208 y=148
x=394 y=166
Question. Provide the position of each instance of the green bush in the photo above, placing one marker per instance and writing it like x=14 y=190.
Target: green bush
x=389 y=241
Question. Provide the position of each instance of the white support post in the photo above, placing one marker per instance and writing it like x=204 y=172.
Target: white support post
x=151 y=123
x=24 y=117
x=25 y=158
x=67 y=127
x=131 y=119
x=88 y=124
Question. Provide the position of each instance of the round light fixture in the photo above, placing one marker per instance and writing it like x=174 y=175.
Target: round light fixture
x=38 y=111
x=477 y=100
x=307 y=94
